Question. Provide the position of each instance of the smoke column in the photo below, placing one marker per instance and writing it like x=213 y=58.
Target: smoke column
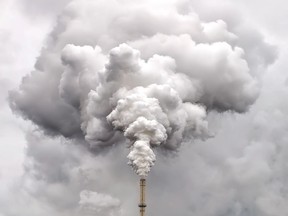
x=152 y=72
x=149 y=115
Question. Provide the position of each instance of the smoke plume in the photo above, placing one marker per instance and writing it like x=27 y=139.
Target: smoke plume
x=194 y=62
x=151 y=72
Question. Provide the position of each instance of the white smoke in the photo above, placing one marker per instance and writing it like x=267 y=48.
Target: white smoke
x=144 y=123
x=146 y=98
x=153 y=71
x=148 y=113
x=148 y=116
x=200 y=52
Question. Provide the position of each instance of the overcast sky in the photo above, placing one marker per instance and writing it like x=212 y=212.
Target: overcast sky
x=59 y=156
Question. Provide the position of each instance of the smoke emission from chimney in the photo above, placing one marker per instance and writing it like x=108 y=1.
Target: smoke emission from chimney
x=147 y=73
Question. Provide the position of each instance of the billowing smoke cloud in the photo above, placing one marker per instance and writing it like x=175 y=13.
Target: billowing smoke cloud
x=152 y=72
x=149 y=114
x=192 y=55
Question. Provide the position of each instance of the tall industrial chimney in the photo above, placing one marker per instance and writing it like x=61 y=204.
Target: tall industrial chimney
x=142 y=204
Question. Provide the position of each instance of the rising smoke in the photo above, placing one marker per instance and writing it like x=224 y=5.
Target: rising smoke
x=107 y=57
x=124 y=68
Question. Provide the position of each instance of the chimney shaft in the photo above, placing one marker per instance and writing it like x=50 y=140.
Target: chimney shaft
x=142 y=204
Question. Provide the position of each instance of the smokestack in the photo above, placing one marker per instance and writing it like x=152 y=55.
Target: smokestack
x=142 y=204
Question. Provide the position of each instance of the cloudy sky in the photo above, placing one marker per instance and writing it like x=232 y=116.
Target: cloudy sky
x=208 y=79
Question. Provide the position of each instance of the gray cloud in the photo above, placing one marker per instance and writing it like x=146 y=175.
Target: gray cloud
x=74 y=96
x=214 y=62
x=42 y=97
